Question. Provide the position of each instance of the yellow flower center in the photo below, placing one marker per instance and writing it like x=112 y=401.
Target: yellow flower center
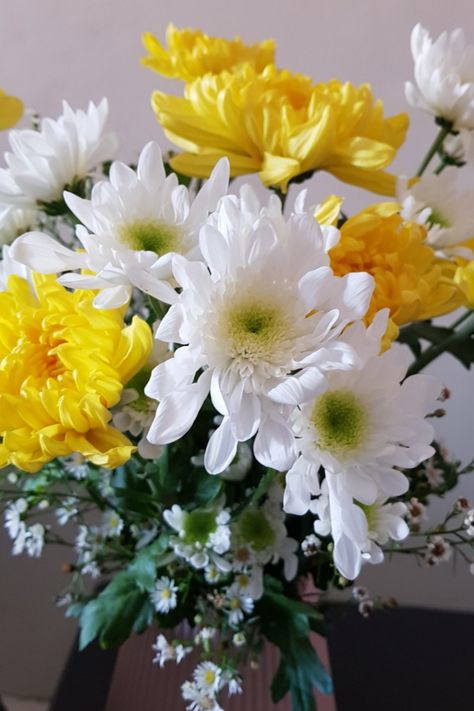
x=166 y=593
x=209 y=677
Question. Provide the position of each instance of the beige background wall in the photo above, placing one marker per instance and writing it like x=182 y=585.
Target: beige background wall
x=54 y=49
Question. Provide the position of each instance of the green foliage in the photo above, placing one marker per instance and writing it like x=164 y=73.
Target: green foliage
x=458 y=342
x=287 y=623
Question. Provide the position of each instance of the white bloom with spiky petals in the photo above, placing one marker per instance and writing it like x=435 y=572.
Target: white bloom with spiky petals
x=363 y=428
x=164 y=597
x=131 y=227
x=15 y=221
x=207 y=676
x=446 y=212
x=67 y=511
x=204 y=535
x=166 y=652
x=358 y=531
x=262 y=319
x=444 y=76
x=112 y=524
x=63 y=152
x=237 y=604
x=259 y=536
x=9 y=266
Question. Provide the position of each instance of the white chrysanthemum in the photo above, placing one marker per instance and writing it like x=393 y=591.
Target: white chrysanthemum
x=358 y=531
x=164 y=596
x=435 y=202
x=363 y=428
x=259 y=536
x=15 y=221
x=204 y=535
x=444 y=76
x=135 y=222
x=63 y=152
x=207 y=676
x=261 y=318
x=9 y=266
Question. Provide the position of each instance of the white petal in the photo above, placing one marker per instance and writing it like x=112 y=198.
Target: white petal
x=44 y=254
x=221 y=448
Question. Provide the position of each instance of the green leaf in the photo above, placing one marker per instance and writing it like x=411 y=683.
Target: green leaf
x=145 y=566
x=280 y=683
x=112 y=615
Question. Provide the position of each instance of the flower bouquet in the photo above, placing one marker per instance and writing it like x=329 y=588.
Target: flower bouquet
x=219 y=395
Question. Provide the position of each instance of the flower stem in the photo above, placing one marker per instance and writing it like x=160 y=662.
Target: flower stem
x=436 y=145
x=437 y=349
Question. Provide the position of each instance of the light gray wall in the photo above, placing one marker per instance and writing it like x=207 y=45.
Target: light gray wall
x=51 y=50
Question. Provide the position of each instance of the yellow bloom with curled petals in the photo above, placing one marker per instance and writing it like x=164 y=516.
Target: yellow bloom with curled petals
x=191 y=54
x=11 y=110
x=63 y=365
x=281 y=126
x=464 y=277
x=409 y=279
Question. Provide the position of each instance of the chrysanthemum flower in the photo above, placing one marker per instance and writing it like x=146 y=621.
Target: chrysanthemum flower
x=191 y=54
x=63 y=152
x=446 y=212
x=63 y=365
x=135 y=222
x=409 y=279
x=11 y=110
x=363 y=428
x=14 y=221
x=261 y=318
x=444 y=76
x=280 y=125
x=464 y=277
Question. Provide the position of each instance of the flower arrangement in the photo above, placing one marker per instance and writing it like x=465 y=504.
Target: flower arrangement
x=220 y=391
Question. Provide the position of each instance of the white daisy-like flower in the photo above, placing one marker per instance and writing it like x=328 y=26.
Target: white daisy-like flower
x=76 y=465
x=438 y=550
x=212 y=574
x=166 y=652
x=444 y=76
x=362 y=429
x=112 y=524
x=234 y=682
x=15 y=221
x=446 y=212
x=416 y=512
x=60 y=154
x=310 y=545
x=204 y=535
x=130 y=228
x=201 y=699
x=237 y=604
x=34 y=541
x=239 y=639
x=261 y=318
x=67 y=511
x=434 y=474
x=259 y=536
x=164 y=597
x=469 y=523
x=14 y=517
x=207 y=676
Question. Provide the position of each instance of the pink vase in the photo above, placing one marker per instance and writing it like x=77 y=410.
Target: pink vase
x=139 y=685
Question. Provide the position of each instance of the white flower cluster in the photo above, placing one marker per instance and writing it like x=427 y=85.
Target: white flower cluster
x=259 y=324
x=25 y=538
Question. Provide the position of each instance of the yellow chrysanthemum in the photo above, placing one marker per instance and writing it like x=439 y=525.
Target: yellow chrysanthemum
x=191 y=54
x=11 y=110
x=282 y=126
x=409 y=279
x=464 y=277
x=63 y=364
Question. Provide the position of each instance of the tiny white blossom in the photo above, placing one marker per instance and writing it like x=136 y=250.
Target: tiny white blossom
x=239 y=639
x=35 y=540
x=112 y=524
x=13 y=516
x=164 y=596
x=438 y=550
x=207 y=676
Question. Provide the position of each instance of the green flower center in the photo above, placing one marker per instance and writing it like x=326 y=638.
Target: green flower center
x=152 y=236
x=437 y=219
x=253 y=331
x=340 y=421
x=256 y=530
x=198 y=526
x=141 y=403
